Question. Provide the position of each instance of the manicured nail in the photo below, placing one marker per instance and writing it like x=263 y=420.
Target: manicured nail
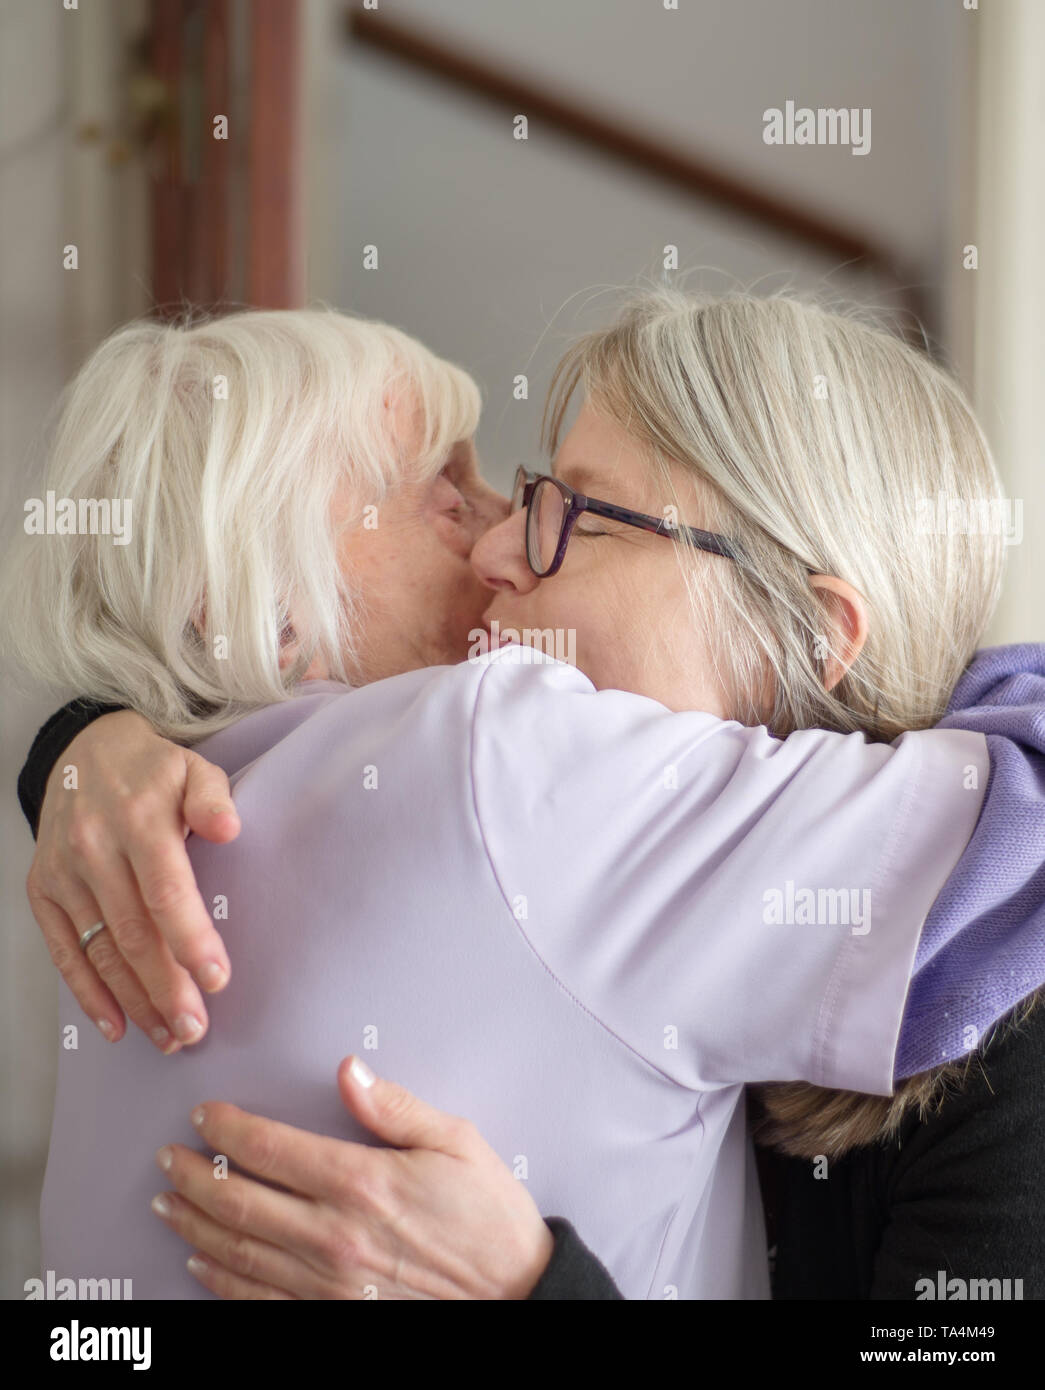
x=165 y=1157
x=160 y=1037
x=195 y=1265
x=212 y=976
x=188 y=1028
x=106 y=1029
x=161 y=1206
x=197 y=1116
x=362 y=1073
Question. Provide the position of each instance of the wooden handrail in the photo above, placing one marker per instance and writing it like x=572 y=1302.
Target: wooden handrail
x=486 y=79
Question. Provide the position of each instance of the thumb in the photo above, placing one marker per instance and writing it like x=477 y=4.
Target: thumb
x=392 y=1112
x=207 y=807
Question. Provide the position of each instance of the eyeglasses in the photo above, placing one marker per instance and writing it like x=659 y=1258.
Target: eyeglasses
x=553 y=509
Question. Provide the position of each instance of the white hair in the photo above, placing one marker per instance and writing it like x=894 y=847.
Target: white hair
x=816 y=441
x=229 y=436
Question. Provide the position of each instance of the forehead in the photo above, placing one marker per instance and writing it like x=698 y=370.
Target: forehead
x=600 y=459
x=597 y=456
x=409 y=429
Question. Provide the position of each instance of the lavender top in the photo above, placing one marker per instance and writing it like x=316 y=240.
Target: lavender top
x=576 y=918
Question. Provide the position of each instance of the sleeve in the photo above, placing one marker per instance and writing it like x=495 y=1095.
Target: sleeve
x=730 y=906
x=573 y=1272
x=966 y=1196
x=983 y=947
x=50 y=742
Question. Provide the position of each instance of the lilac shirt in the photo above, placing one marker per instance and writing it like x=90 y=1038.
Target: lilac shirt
x=572 y=916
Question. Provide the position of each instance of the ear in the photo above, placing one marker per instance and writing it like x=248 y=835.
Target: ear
x=846 y=625
x=198 y=620
x=289 y=650
x=287 y=646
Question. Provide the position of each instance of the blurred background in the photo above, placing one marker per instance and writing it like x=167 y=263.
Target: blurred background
x=157 y=154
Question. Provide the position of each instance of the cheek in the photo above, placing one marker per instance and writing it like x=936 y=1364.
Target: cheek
x=455 y=538
x=595 y=617
x=622 y=609
x=467 y=598
x=454 y=600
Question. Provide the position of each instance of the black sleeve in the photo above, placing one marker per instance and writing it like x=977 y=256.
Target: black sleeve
x=962 y=1191
x=573 y=1272
x=967 y=1193
x=50 y=742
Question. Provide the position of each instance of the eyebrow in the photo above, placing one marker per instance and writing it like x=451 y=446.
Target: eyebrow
x=581 y=475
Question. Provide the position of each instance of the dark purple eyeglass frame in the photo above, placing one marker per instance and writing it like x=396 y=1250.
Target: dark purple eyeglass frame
x=577 y=503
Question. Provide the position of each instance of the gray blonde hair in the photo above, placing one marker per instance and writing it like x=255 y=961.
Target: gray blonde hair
x=816 y=441
x=230 y=436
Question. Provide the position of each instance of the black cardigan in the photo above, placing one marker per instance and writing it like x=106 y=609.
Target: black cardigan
x=962 y=1192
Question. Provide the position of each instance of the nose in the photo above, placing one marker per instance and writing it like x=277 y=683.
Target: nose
x=499 y=557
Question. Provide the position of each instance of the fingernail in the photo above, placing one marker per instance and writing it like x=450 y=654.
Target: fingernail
x=188 y=1028
x=362 y=1073
x=195 y=1265
x=165 y=1157
x=197 y=1116
x=212 y=975
x=106 y=1029
x=160 y=1037
x=227 y=810
x=161 y=1206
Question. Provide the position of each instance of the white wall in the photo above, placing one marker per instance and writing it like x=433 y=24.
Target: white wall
x=1009 y=231
x=483 y=239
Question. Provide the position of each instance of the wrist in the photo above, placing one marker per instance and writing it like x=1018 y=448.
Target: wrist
x=528 y=1273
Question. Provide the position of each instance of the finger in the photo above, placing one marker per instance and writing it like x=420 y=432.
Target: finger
x=239 y=1256
x=396 y=1115
x=168 y=890
x=103 y=955
x=168 y=985
x=227 y=1285
x=310 y=1164
x=208 y=809
x=107 y=960
x=63 y=943
x=244 y=1207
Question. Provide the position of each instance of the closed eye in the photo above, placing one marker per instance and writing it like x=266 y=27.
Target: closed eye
x=448 y=494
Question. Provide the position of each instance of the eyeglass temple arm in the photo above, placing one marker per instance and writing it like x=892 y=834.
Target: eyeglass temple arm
x=704 y=540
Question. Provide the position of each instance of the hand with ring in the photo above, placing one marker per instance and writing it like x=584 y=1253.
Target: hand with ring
x=112 y=887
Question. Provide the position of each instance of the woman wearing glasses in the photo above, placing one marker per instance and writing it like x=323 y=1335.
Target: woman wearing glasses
x=584 y=916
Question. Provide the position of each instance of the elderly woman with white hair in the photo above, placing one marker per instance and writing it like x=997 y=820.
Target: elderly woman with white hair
x=546 y=897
